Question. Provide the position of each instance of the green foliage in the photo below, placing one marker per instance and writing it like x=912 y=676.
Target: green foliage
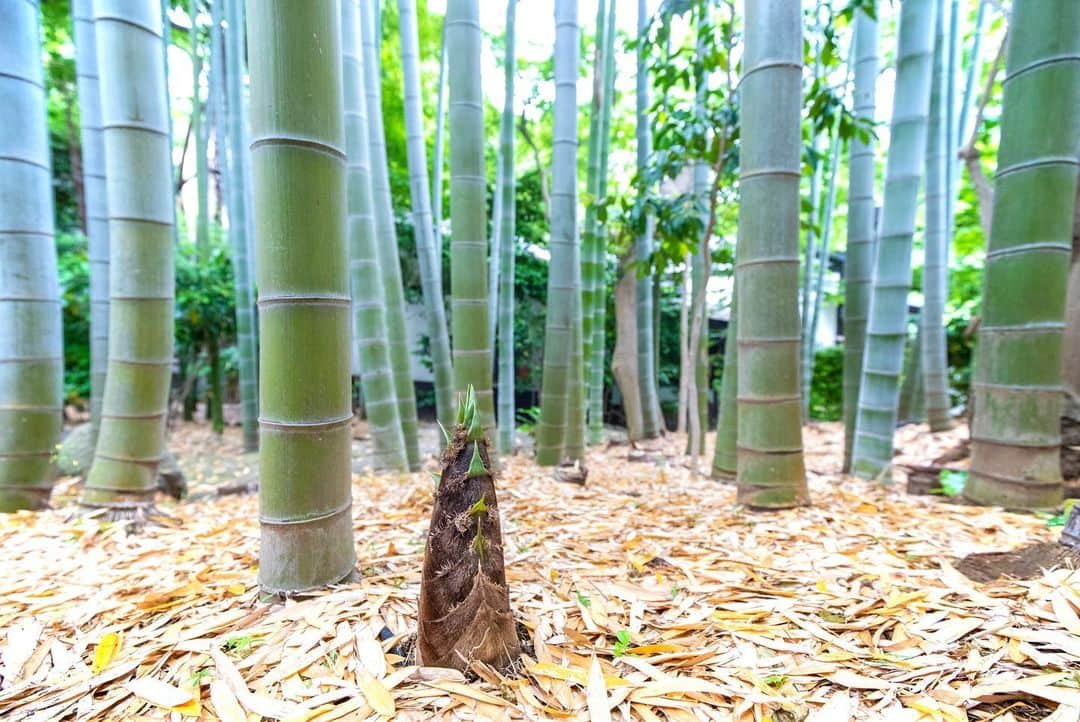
x=826 y=387
x=205 y=303
x=952 y=482
x=74 y=272
x=429 y=32
x=528 y=419
x=622 y=642
x=530 y=282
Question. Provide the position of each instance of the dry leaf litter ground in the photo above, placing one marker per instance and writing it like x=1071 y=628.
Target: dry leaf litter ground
x=646 y=593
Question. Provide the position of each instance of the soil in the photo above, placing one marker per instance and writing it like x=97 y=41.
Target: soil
x=1024 y=563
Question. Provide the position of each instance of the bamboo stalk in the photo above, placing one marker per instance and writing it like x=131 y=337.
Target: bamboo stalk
x=97 y=212
x=564 y=275
x=298 y=160
x=430 y=262
x=369 y=298
x=591 y=271
x=1016 y=430
x=934 y=365
x=31 y=345
x=140 y=201
x=240 y=226
x=507 y=201
x=468 y=189
x=770 y=460
x=643 y=247
x=887 y=325
x=861 y=230
x=400 y=355
x=599 y=304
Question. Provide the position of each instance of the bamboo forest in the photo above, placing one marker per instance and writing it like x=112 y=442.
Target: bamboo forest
x=603 y=360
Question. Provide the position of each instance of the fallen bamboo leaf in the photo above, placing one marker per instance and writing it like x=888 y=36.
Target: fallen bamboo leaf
x=225 y=704
x=376 y=694
x=156 y=692
x=105 y=651
x=596 y=695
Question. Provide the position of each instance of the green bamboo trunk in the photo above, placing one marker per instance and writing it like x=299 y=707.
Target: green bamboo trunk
x=97 y=213
x=861 y=231
x=952 y=63
x=813 y=221
x=887 y=318
x=31 y=345
x=139 y=186
x=200 y=132
x=400 y=357
x=298 y=163
x=468 y=190
x=553 y=439
x=770 y=459
x=437 y=161
x=496 y=243
x=700 y=271
x=643 y=246
x=507 y=409
x=1017 y=388
x=166 y=43
x=934 y=366
x=236 y=186
x=911 y=384
x=576 y=397
x=369 y=299
x=973 y=74
x=725 y=455
x=599 y=305
x=591 y=271
x=430 y=262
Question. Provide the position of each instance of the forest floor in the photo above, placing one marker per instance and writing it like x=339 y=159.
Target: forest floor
x=647 y=595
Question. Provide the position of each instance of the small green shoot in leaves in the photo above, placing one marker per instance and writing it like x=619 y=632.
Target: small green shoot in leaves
x=201 y=674
x=776 y=681
x=622 y=642
x=240 y=645
x=583 y=600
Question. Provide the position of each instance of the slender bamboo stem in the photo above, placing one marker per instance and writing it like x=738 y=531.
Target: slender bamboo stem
x=438 y=162
x=507 y=201
x=599 y=304
x=430 y=262
x=591 y=276
x=643 y=245
x=725 y=455
x=31 y=345
x=369 y=298
x=564 y=275
x=933 y=363
x=887 y=326
x=97 y=212
x=400 y=356
x=199 y=128
x=240 y=222
x=861 y=230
